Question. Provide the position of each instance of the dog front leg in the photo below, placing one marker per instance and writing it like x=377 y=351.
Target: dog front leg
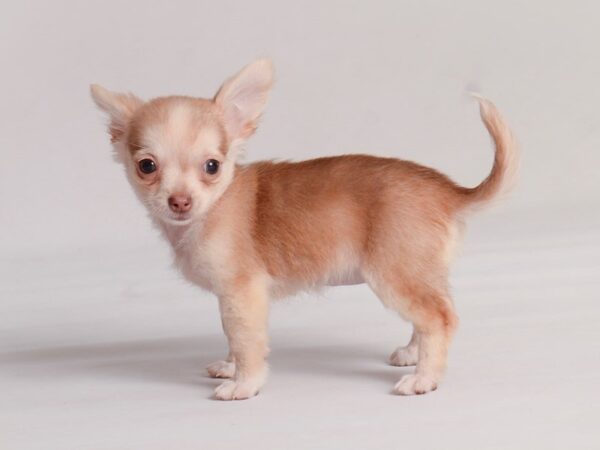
x=244 y=313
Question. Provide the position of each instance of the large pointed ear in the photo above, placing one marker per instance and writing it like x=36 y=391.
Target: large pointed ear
x=242 y=98
x=119 y=107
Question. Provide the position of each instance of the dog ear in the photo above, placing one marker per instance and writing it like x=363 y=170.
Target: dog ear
x=242 y=98
x=119 y=107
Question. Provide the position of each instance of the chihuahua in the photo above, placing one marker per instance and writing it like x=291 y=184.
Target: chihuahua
x=254 y=232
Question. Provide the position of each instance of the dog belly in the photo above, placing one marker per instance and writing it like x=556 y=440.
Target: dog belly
x=346 y=279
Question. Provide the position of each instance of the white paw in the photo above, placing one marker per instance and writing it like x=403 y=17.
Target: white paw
x=221 y=369
x=405 y=356
x=415 y=384
x=237 y=390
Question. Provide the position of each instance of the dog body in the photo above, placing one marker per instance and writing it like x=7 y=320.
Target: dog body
x=251 y=233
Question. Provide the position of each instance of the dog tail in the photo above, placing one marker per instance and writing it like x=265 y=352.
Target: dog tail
x=506 y=159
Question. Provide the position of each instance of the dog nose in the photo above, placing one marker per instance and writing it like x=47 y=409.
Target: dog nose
x=180 y=203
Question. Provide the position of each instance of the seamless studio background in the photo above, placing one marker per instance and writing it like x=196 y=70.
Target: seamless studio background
x=103 y=346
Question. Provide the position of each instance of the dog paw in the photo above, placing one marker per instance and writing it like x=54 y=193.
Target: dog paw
x=221 y=369
x=237 y=390
x=404 y=356
x=415 y=384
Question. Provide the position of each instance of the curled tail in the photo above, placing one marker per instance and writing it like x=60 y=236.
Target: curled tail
x=506 y=159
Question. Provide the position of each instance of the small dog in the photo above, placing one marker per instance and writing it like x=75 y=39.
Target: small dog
x=249 y=233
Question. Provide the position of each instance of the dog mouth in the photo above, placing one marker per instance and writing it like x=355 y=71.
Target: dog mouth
x=178 y=219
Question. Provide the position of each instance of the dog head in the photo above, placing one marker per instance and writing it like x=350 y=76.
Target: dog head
x=180 y=152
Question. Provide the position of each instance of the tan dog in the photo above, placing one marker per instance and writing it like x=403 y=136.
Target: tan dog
x=254 y=232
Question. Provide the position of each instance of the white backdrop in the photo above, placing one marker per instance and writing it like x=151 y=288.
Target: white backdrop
x=378 y=77
x=103 y=347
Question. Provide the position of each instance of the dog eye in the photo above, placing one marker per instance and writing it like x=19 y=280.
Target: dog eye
x=211 y=166
x=147 y=166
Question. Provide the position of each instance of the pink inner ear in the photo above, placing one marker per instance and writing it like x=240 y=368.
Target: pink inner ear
x=120 y=108
x=243 y=99
x=237 y=125
x=116 y=129
x=233 y=120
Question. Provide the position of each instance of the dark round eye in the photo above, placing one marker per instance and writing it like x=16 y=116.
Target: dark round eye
x=211 y=166
x=147 y=166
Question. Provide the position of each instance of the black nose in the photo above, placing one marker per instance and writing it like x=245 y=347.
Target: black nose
x=180 y=203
